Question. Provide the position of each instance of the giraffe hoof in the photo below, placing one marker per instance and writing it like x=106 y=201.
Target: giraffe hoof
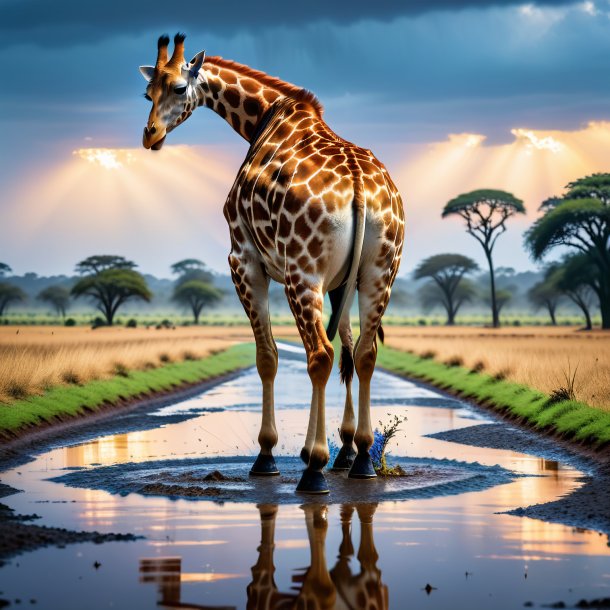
x=264 y=466
x=362 y=468
x=345 y=458
x=305 y=456
x=313 y=482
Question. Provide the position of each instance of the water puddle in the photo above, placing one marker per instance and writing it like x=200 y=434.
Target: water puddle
x=261 y=554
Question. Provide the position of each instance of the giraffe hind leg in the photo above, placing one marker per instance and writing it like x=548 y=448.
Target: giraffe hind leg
x=346 y=454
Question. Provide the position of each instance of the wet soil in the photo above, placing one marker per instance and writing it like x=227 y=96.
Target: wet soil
x=18 y=534
x=587 y=507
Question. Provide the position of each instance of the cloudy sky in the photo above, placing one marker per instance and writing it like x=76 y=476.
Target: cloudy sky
x=450 y=95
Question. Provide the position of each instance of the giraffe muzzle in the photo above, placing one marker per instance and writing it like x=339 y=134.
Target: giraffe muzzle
x=148 y=137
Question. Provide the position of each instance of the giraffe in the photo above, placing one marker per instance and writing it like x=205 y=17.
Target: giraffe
x=307 y=209
x=316 y=587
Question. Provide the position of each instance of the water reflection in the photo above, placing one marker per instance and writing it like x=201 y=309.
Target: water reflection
x=317 y=586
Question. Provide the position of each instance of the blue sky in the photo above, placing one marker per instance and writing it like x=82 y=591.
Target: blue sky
x=397 y=77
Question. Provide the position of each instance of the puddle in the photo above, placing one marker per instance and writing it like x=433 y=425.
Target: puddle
x=261 y=554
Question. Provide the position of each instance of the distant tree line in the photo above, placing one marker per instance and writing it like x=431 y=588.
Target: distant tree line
x=110 y=281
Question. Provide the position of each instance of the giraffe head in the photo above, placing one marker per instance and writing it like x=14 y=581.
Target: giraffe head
x=171 y=89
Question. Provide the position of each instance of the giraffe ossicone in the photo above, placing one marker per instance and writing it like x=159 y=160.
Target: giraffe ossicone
x=307 y=209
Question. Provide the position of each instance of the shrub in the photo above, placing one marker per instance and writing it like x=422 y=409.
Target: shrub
x=478 y=367
x=70 y=322
x=428 y=354
x=70 y=377
x=132 y=323
x=164 y=358
x=454 y=361
x=120 y=369
x=97 y=323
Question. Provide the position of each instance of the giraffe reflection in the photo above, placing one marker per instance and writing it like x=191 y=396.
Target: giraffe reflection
x=318 y=588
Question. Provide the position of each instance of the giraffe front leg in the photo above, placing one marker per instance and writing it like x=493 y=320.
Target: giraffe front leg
x=346 y=454
x=306 y=302
x=252 y=287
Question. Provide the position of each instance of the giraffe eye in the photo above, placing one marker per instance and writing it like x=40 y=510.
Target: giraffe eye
x=180 y=90
x=148 y=97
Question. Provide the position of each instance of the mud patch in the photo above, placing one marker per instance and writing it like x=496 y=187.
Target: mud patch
x=227 y=480
x=588 y=507
x=18 y=535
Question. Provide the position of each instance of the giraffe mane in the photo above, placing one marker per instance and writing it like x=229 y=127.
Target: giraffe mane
x=293 y=91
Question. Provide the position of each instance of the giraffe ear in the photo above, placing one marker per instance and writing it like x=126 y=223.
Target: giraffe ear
x=147 y=72
x=196 y=63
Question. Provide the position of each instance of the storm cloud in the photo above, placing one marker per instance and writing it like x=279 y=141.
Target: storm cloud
x=69 y=22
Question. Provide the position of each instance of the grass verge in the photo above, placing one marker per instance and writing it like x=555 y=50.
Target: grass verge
x=64 y=402
x=568 y=419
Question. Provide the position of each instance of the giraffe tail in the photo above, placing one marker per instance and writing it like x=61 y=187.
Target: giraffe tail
x=342 y=296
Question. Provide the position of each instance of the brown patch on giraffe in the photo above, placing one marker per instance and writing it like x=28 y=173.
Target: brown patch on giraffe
x=270 y=95
x=285 y=226
x=294 y=248
x=301 y=228
x=248 y=129
x=221 y=110
x=252 y=107
x=228 y=77
x=314 y=212
x=249 y=85
x=232 y=96
x=235 y=121
x=315 y=246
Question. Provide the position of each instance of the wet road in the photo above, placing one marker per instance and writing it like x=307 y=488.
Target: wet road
x=201 y=554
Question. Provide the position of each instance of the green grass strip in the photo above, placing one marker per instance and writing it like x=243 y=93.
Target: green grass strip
x=75 y=400
x=568 y=418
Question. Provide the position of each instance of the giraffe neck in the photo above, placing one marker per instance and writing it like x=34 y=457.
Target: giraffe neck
x=241 y=95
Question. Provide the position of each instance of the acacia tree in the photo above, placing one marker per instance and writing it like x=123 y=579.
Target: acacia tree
x=431 y=294
x=56 y=296
x=4 y=269
x=110 y=286
x=102 y=262
x=576 y=277
x=196 y=295
x=447 y=273
x=581 y=221
x=192 y=269
x=546 y=293
x=10 y=294
x=486 y=212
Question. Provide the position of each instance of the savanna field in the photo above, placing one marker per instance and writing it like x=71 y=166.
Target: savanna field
x=36 y=358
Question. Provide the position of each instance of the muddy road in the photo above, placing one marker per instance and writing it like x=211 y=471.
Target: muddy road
x=488 y=516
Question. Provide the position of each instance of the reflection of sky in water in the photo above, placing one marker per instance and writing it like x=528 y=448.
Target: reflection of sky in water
x=201 y=553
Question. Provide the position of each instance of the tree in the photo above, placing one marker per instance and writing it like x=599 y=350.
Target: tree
x=576 y=277
x=581 y=221
x=447 y=272
x=56 y=296
x=196 y=295
x=431 y=294
x=4 y=269
x=503 y=297
x=486 y=212
x=192 y=269
x=102 y=262
x=10 y=294
x=111 y=288
x=546 y=293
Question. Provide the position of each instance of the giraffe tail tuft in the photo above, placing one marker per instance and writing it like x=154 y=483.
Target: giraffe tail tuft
x=346 y=365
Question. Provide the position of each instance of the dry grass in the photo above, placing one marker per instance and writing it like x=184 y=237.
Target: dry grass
x=538 y=357
x=36 y=358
